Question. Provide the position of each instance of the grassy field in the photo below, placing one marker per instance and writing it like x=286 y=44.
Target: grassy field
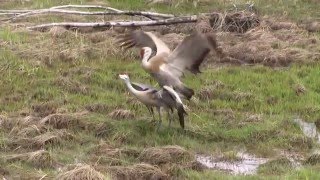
x=58 y=94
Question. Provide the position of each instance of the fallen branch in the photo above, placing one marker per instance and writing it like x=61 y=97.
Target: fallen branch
x=175 y=20
x=63 y=7
x=87 y=6
x=61 y=11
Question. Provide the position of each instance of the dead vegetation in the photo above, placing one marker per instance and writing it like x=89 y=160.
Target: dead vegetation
x=44 y=109
x=63 y=121
x=138 y=171
x=121 y=114
x=313 y=159
x=80 y=171
x=39 y=159
x=98 y=108
x=166 y=154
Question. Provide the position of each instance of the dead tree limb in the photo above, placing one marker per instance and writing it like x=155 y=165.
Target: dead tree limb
x=87 y=6
x=176 y=20
x=61 y=11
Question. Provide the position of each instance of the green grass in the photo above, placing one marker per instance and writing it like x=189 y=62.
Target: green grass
x=250 y=108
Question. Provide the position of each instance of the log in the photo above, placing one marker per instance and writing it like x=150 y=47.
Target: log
x=176 y=20
x=73 y=12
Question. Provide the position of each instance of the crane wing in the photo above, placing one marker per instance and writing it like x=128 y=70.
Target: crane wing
x=190 y=53
x=141 y=39
x=142 y=87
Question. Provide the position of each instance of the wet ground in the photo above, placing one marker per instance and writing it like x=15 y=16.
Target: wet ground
x=308 y=129
x=247 y=164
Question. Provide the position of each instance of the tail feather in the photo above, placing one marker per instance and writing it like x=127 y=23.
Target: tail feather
x=181 y=113
x=179 y=105
x=186 y=92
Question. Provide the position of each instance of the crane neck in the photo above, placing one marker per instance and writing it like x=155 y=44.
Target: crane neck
x=131 y=89
x=145 y=60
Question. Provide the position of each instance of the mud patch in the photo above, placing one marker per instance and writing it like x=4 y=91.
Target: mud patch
x=246 y=164
x=308 y=129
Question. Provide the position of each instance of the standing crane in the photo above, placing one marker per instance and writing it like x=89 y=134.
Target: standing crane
x=167 y=67
x=165 y=98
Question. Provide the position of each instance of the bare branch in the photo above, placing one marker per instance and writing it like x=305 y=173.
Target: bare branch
x=14 y=11
x=86 y=6
x=176 y=20
x=61 y=11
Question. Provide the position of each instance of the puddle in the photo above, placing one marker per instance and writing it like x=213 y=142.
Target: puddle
x=308 y=129
x=247 y=165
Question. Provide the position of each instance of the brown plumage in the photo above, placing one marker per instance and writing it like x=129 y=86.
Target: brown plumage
x=167 y=67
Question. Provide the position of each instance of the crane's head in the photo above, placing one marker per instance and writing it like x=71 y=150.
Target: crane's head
x=124 y=77
x=145 y=52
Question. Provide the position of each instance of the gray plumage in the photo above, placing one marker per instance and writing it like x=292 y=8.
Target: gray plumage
x=165 y=98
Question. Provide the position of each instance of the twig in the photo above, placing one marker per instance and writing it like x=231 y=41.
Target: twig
x=175 y=20
x=61 y=11
x=86 y=6
x=14 y=11
x=9 y=13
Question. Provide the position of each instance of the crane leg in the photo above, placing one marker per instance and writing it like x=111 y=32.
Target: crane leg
x=150 y=109
x=160 y=120
x=170 y=113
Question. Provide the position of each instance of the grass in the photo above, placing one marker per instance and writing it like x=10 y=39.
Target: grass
x=249 y=108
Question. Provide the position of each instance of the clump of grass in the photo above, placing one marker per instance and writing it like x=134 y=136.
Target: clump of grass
x=121 y=114
x=166 y=154
x=137 y=171
x=63 y=121
x=71 y=85
x=52 y=138
x=98 y=107
x=44 y=109
x=313 y=159
x=40 y=158
x=230 y=156
x=300 y=89
x=80 y=171
x=276 y=167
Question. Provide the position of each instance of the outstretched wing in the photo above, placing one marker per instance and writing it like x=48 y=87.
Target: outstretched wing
x=142 y=87
x=141 y=39
x=191 y=52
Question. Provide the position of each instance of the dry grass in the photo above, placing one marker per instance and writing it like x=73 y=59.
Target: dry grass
x=273 y=43
x=63 y=121
x=98 y=108
x=121 y=114
x=80 y=171
x=138 y=171
x=313 y=159
x=40 y=141
x=44 y=109
x=166 y=154
x=71 y=85
x=239 y=22
x=52 y=138
x=40 y=158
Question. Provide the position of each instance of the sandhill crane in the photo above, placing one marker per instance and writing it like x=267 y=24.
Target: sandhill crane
x=167 y=67
x=151 y=97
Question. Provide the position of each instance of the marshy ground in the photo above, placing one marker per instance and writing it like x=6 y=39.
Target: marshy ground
x=65 y=113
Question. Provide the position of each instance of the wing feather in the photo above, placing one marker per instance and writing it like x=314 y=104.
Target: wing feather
x=141 y=39
x=141 y=87
x=191 y=52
